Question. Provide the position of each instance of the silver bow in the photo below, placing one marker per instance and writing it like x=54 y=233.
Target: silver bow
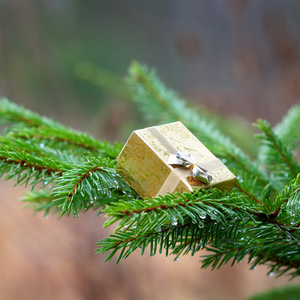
x=189 y=161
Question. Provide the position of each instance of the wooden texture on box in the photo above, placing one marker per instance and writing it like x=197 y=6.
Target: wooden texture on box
x=143 y=161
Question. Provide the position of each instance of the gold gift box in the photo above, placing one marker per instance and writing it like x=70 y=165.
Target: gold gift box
x=143 y=162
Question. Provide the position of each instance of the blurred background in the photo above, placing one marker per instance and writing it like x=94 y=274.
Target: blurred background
x=239 y=59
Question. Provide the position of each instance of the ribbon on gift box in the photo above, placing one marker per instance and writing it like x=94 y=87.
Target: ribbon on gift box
x=186 y=165
x=188 y=160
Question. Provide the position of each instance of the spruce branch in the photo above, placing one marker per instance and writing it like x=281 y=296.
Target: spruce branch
x=143 y=220
x=278 y=158
x=164 y=238
x=83 y=185
x=12 y=113
x=230 y=228
x=174 y=208
x=286 y=206
x=41 y=149
x=37 y=150
x=26 y=168
x=288 y=129
x=66 y=139
x=33 y=126
x=258 y=243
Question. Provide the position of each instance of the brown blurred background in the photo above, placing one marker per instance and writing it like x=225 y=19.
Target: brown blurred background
x=238 y=58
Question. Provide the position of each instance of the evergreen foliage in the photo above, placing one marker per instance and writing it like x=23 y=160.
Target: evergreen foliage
x=70 y=171
x=286 y=293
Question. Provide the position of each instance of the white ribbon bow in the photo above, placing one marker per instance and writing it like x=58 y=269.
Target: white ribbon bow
x=189 y=161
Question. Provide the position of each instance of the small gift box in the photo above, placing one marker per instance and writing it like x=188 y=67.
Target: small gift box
x=169 y=158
